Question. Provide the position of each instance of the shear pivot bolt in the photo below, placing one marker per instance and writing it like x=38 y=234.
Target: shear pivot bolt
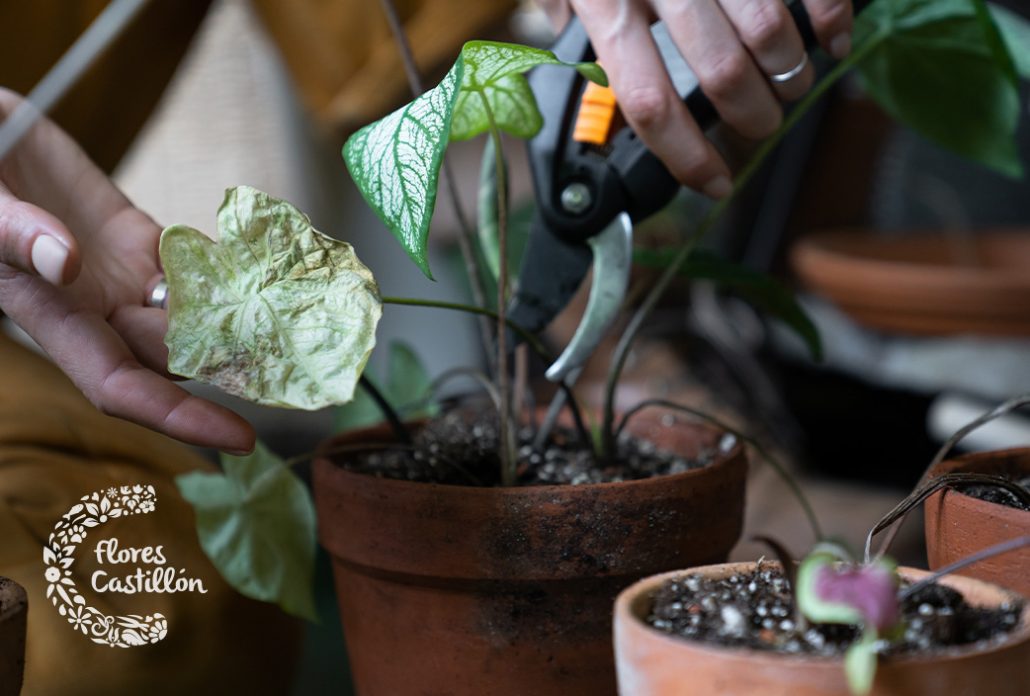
x=576 y=198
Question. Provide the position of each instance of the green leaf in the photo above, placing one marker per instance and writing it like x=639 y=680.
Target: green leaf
x=487 y=224
x=275 y=311
x=493 y=76
x=361 y=412
x=1015 y=32
x=396 y=163
x=396 y=160
x=860 y=664
x=408 y=378
x=761 y=290
x=256 y=523
x=938 y=67
x=407 y=387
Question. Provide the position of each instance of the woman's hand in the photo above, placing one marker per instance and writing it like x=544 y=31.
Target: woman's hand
x=77 y=261
x=733 y=46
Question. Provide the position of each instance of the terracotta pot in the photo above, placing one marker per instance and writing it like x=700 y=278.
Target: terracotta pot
x=13 y=612
x=959 y=525
x=652 y=663
x=462 y=590
x=923 y=283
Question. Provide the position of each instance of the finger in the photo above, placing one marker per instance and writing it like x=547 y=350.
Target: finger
x=34 y=241
x=832 y=21
x=143 y=329
x=622 y=40
x=132 y=392
x=766 y=28
x=558 y=13
x=101 y=365
x=727 y=73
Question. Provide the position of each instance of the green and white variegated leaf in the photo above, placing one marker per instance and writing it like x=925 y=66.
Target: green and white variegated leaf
x=396 y=160
x=256 y=523
x=275 y=311
x=493 y=75
x=396 y=163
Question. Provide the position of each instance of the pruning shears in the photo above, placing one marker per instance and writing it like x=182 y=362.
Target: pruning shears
x=591 y=186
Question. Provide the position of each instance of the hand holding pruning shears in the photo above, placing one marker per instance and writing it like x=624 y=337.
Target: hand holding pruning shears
x=748 y=56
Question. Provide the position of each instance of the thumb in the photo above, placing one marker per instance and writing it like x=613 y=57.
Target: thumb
x=34 y=241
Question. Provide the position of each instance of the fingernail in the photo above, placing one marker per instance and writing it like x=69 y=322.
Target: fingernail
x=719 y=187
x=840 y=46
x=238 y=453
x=49 y=257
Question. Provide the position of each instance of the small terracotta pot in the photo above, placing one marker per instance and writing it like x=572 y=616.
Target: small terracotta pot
x=959 y=525
x=652 y=663
x=13 y=612
x=462 y=590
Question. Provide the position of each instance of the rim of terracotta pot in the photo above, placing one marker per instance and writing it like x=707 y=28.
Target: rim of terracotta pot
x=720 y=461
x=630 y=601
x=13 y=599
x=984 y=462
x=425 y=515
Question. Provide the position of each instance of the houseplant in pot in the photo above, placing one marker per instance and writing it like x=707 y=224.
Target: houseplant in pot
x=280 y=314
x=828 y=627
x=424 y=566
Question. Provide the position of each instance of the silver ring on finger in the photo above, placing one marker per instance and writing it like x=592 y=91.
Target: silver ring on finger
x=780 y=78
x=158 y=296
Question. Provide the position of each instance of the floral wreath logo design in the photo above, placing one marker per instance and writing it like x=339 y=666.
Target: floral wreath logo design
x=94 y=510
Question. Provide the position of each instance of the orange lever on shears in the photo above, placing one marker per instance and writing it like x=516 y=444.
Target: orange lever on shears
x=596 y=112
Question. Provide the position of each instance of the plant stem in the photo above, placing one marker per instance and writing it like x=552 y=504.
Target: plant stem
x=526 y=336
x=531 y=340
x=466 y=234
x=388 y=411
x=507 y=444
x=745 y=175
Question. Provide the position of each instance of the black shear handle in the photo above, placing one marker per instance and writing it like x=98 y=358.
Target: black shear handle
x=625 y=176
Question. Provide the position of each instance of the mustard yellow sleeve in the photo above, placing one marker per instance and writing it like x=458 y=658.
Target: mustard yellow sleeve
x=55 y=447
x=345 y=62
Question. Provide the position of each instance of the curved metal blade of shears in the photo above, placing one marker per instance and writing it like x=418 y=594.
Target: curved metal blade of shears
x=613 y=259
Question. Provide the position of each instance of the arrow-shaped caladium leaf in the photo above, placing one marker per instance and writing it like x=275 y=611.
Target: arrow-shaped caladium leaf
x=275 y=311
x=396 y=160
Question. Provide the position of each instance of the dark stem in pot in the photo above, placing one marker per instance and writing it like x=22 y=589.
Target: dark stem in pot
x=388 y=411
